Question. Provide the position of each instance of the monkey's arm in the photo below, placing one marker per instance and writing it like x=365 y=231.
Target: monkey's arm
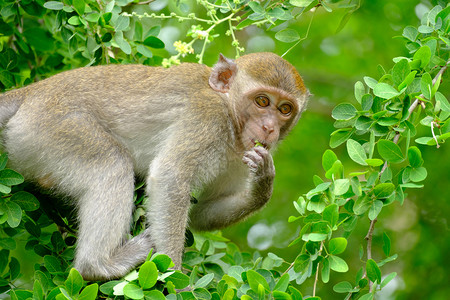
x=220 y=212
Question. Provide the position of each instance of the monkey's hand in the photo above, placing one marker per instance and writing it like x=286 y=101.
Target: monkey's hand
x=261 y=166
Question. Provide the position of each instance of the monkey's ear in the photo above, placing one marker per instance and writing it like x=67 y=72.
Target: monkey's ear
x=222 y=74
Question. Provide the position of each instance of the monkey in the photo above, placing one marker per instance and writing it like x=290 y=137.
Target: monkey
x=87 y=133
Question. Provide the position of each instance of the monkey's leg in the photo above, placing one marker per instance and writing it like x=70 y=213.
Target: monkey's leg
x=105 y=215
x=85 y=161
x=168 y=208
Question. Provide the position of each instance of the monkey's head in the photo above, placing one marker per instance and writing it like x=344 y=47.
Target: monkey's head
x=266 y=94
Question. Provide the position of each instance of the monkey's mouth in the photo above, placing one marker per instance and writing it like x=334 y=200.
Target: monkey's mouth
x=260 y=143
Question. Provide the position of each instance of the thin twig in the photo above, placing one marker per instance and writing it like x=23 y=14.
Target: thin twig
x=434 y=136
x=317 y=271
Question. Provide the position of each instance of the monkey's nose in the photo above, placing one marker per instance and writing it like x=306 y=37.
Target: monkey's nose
x=268 y=128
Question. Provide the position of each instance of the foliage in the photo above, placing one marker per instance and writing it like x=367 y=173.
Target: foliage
x=378 y=130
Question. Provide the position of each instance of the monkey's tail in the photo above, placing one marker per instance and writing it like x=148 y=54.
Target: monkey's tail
x=9 y=104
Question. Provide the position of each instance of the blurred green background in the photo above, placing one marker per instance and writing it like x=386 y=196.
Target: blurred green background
x=330 y=64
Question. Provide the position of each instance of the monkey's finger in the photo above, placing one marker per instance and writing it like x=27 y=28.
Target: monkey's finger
x=250 y=163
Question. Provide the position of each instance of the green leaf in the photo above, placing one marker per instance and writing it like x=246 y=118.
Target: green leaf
x=341 y=186
x=337 y=264
x=423 y=55
x=328 y=159
x=337 y=245
x=287 y=35
x=27 y=201
x=204 y=281
x=385 y=91
x=343 y=287
x=386 y=244
x=445 y=106
x=162 y=261
x=39 y=39
x=362 y=204
x=121 y=23
x=331 y=214
x=339 y=137
x=38 y=292
x=343 y=111
x=374 y=162
x=356 y=152
x=388 y=279
x=133 y=291
x=372 y=270
x=257 y=8
x=14 y=213
x=426 y=85
x=415 y=157
x=410 y=33
x=122 y=43
x=79 y=6
x=363 y=123
x=54 y=5
x=255 y=279
x=154 y=295
x=52 y=264
x=325 y=270
x=301 y=3
x=390 y=151
x=282 y=283
x=74 y=282
x=383 y=190
x=148 y=275
x=418 y=174
x=179 y=279
x=154 y=42
x=375 y=209
x=89 y=293
x=400 y=71
x=359 y=91
x=144 y=50
x=10 y=177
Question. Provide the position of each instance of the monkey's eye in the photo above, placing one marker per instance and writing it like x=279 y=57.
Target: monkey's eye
x=285 y=109
x=262 y=101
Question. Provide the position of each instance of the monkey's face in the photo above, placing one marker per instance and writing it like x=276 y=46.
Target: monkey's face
x=268 y=112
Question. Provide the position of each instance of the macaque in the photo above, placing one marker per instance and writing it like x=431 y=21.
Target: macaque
x=87 y=133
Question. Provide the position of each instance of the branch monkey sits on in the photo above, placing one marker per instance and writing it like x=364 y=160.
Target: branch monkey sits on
x=87 y=132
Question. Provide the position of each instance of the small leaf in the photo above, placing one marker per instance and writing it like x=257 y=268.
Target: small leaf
x=426 y=85
x=54 y=5
x=14 y=213
x=10 y=177
x=423 y=55
x=154 y=42
x=341 y=186
x=386 y=244
x=343 y=287
x=375 y=209
x=359 y=91
x=132 y=291
x=339 y=137
x=204 y=281
x=337 y=264
x=385 y=91
x=89 y=293
x=179 y=279
x=374 y=162
x=418 y=174
x=255 y=279
x=328 y=159
x=388 y=279
x=74 y=282
x=343 y=111
x=331 y=214
x=27 y=201
x=390 y=151
x=148 y=275
x=287 y=35
x=356 y=152
x=383 y=190
x=373 y=272
x=337 y=245
x=399 y=72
